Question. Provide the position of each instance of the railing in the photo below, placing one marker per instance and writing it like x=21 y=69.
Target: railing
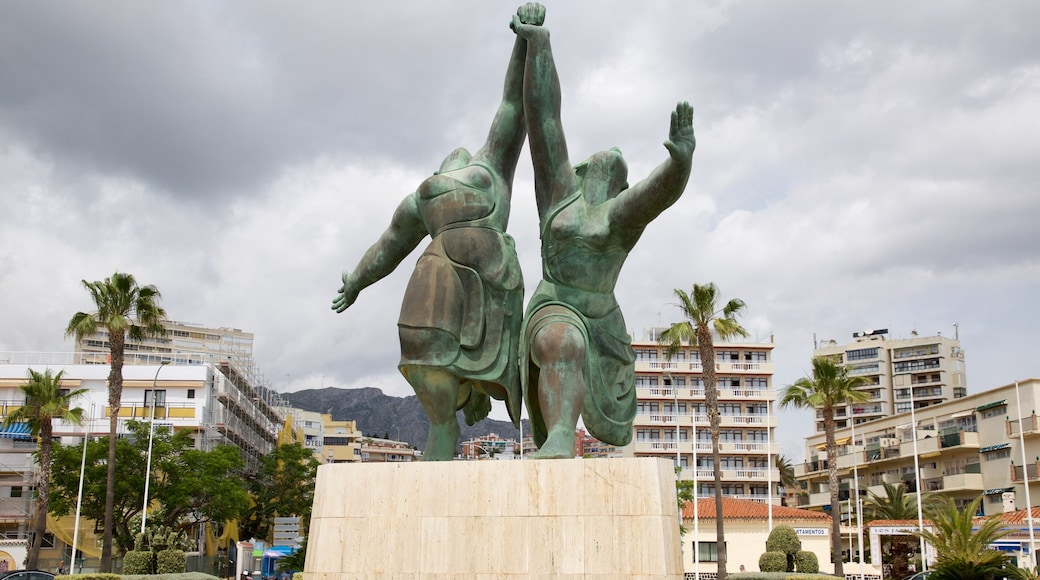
x=1031 y=471
x=764 y=367
x=1030 y=426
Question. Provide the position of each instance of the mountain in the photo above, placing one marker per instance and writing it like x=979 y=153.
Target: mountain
x=380 y=415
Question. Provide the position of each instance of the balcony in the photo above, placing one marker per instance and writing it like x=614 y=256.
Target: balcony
x=962 y=482
x=925 y=445
x=959 y=439
x=1031 y=471
x=683 y=367
x=1030 y=426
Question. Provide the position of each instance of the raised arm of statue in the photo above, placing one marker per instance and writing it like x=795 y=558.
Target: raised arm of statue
x=404 y=233
x=637 y=206
x=508 y=129
x=553 y=174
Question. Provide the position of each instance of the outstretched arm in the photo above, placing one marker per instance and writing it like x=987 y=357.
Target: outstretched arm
x=554 y=177
x=506 y=136
x=405 y=232
x=638 y=205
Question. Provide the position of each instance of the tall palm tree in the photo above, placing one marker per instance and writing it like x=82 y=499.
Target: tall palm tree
x=44 y=402
x=787 y=479
x=894 y=504
x=962 y=545
x=124 y=309
x=702 y=316
x=829 y=387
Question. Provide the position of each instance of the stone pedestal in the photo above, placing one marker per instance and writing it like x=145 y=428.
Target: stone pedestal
x=577 y=518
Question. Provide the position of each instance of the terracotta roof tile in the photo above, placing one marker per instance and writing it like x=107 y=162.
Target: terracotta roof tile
x=733 y=508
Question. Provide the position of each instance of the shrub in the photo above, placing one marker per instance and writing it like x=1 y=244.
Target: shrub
x=784 y=539
x=773 y=562
x=170 y=561
x=137 y=562
x=806 y=562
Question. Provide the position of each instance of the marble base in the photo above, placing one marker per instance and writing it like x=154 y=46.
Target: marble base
x=575 y=518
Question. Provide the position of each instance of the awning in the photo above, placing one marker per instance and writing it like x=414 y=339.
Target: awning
x=997 y=490
x=996 y=447
x=932 y=454
x=16 y=431
x=962 y=414
x=837 y=442
x=990 y=405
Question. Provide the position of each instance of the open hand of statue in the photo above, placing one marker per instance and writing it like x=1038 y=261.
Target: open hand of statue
x=348 y=293
x=528 y=19
x=681 y=141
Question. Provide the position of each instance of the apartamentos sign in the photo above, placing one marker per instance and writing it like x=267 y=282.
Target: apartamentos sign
x=811 y=531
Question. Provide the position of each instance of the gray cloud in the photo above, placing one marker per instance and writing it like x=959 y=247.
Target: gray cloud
x=857 y=167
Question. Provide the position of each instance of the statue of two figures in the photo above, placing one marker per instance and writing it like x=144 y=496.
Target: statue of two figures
x=465 y=338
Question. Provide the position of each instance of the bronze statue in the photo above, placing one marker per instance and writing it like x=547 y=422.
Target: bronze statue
x=460 y=318
x=576 y=356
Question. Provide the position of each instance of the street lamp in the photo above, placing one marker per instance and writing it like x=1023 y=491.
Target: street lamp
x=151 y=435
x=79 y=496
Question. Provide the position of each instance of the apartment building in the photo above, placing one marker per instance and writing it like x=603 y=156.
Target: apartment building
x=585 y=445
x=671 y=402
x=219 y=402
x=181 y=338
x=924 y=370
x=374 y=449
x=341 y=441
x=981 y=444
x=490 y=446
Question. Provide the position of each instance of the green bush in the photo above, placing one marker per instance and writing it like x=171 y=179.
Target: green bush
x=137 y=562
x=171 y=561
x=772 y=562
x=806 y=562
x=784 y=539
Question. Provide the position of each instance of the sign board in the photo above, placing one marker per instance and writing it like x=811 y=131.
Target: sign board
x=811 y=531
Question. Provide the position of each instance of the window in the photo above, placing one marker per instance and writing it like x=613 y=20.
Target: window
x=999 y=454
x=708 y=551
x=756 y=383
x=862 y=353
x=646 y=354
x=16 y=491
x=645 y=381
x=160 y=397
x=191 y=393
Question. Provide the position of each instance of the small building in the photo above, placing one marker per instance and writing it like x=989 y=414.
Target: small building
x=747 y=529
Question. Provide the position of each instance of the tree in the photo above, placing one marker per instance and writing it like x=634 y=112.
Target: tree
x=189 y=485
x=124 y=309
x=786 y=469
x=44 y=402
x=963 y=551
x=894 y=504
x=830 y=386
x=703 y=317
x=684 y=493
x=282 y=487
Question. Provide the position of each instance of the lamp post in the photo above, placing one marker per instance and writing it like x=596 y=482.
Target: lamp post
x=79 y=496
x=151 y=435
x=855 y=491
x=917 y=478
x=1025 y=478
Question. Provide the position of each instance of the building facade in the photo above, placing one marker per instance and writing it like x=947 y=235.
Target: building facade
x=925 y=370
x=218 y=402
x=341 y=441
x=672 y=417
x=986 y=443
x=490 y=446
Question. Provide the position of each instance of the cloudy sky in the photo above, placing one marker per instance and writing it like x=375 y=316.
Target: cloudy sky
x=858 y=165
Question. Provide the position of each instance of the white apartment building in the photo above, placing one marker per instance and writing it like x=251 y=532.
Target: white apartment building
x=181 y=338
x=219 y=402
x=986 y=443
x=671 y=399
x=932 y=366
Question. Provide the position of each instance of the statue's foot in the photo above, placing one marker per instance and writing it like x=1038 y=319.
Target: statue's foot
x=441 y=442
x=556 y=447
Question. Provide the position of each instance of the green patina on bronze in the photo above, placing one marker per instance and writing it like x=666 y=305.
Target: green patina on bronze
x=576 y=357
x=463 y=339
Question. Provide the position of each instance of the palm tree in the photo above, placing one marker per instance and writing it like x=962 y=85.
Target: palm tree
x=44 y=402
x=124 y=309
x=829 y=387
x=786 y=468
x=962 y=552
x=702 y=316
x=894 y=504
